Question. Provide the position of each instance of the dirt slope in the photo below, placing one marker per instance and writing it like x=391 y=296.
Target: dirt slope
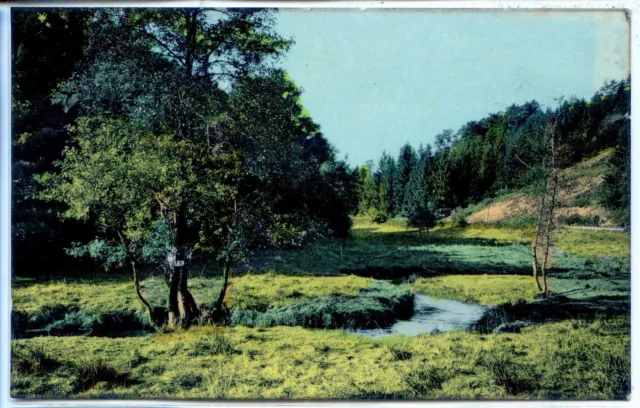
x=584 y=179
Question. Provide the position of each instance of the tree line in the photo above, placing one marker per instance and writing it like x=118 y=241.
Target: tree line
x=500 y=153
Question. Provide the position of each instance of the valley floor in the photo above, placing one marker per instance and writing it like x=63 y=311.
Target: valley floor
x=86 y=337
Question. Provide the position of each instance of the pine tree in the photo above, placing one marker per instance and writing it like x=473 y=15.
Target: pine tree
x=418 y=208
x=406 y=162
x=387 y=175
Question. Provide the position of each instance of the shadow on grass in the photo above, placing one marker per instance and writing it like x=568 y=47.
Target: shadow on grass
x=553 y=309
x=449 y=236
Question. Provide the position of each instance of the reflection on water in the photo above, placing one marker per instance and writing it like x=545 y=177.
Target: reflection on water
x=431 y=315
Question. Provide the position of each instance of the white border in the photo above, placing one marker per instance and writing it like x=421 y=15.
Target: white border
x=5 y=182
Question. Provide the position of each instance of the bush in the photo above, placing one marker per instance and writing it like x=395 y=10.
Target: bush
x=577 y=219
x=460 y=220
x=380 y=217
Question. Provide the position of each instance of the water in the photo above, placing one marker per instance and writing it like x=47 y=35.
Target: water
x=431 y=315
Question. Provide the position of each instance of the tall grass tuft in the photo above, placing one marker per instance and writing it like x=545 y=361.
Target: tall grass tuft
x=89 y=372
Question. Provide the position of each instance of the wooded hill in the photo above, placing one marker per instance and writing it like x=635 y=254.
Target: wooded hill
x=503 y=153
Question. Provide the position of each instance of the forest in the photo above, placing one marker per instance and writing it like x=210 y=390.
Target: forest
x=182 y=228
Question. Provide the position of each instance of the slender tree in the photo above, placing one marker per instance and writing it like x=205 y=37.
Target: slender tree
x=407 y=161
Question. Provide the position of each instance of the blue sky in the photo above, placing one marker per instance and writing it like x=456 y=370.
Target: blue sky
x=375 y=80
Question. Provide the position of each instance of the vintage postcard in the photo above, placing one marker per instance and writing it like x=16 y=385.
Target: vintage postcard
x=320 y=204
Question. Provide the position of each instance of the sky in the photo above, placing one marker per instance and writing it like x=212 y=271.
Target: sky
x=375 y=80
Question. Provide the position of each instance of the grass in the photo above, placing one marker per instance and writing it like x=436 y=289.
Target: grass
x=556 y=356
x=377 y=306
x=259 y=292
x=592 y=244
x=102 y=294
x=480 y=289
x=569 y=359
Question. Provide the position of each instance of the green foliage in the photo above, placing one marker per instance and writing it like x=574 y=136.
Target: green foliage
x=577 y=219
x=504 y=151
x=407 y=161
x=420 y=210
x=111 y=253
x=46 y=47
x=425 y=380
x=516 y=377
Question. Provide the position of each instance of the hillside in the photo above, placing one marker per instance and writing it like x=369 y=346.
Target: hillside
x=579 y=204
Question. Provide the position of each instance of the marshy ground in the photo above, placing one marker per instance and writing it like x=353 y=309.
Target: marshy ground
x=296 y=316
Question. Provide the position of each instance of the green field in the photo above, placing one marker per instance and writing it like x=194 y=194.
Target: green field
x=582 y=354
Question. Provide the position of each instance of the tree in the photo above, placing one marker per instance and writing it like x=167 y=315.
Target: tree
x=440 y=169
x=387 y=181
x=47 y=45
x=547 y=199
x=407 y=160
x=616 y=190
x=170 y=162
x=419 y=209
x=366 y=190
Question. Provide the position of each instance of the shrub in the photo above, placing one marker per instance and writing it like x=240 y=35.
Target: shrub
x=72 y=323
x=577 y=219
x=460 y=217
x=380 y=217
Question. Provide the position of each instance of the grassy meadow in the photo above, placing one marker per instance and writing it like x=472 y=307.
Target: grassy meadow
x=88 y=337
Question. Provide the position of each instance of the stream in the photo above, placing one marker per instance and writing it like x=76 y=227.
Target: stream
x=430 y=315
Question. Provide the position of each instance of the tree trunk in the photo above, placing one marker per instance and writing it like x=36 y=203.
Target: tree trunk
x=188 y=303
x=158 y=315
x=220 y=313
x=174 y=303
x=182 y=306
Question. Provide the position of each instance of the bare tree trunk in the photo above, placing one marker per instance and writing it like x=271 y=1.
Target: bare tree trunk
x=144 y=301
x=220 y=313
x=545 y=228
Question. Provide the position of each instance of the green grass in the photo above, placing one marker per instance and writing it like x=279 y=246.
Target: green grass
x=376 y=306
x=559 y=358
x=569 y=359
x=480 y=289
x=587 y=243
x=259 y=292
x=103 y=294
x=592 y=244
